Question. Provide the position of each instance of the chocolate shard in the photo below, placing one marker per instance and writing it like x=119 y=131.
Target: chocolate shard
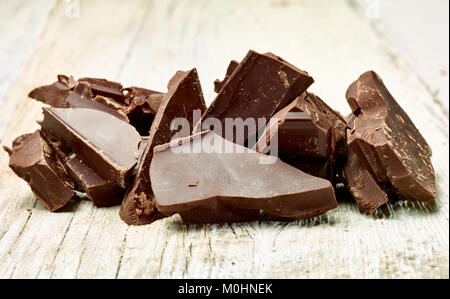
x=368 y=194
x=184 y=96
x=105 y=88
x=338 y=122
x=235 y=179
x=82 y=97
x=135 y=105
x=108 y=145
x=219 y=84
x=322 y=167
x=34 y=161
x=305 y=138
x=302 y=132
x=101 y=192
x=261 y=85
x=16 y=143
x=54 y=94
x=387 y=142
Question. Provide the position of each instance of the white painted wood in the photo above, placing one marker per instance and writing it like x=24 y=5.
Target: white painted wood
x=144 y=43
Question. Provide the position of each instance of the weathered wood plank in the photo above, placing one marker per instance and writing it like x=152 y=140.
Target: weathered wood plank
x=144 y=43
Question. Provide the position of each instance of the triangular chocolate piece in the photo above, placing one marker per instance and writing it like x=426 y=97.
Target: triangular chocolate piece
x=207 y=179
x=108 y=145
x=184 y=96
x=387 y=142
x=33 y=160
x=261 y=85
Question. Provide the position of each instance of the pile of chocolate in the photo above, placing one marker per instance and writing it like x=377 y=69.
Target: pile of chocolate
x=116 y=145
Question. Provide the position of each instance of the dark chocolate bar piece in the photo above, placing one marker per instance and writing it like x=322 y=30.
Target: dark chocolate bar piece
x=135 y=105
x=101 y=192
x=261 y=85
x=184 y=96
x=55 y=94
x=105 y=88
x=338 y=122
x=210 y=184
x=33 y=160
x=387 y=142
x=368 y=194
x=219 y=84
x=307 y=133
x=108 y=145
x=302 y=132
x=320 y=167
x=81 y=97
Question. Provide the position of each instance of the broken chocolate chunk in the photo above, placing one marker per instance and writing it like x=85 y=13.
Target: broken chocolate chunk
x=338 y=122
x=81 y=97
x=135 y=105
x=305 y=138
x=368 y=194
x=214 y=184
x=101 y=192
x=320 y=167
x=104 y=142
x=387 y=142
x=54 y=94
x=105 y=88
x=184 y=96
x=34 y=161
x=261 y=85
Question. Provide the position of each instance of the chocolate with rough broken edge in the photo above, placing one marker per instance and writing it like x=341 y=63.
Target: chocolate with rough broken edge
x=234 y=186
x=387 y=142
x=261 y=85
x=184 y=96
x=108 y=145
x=33 y=160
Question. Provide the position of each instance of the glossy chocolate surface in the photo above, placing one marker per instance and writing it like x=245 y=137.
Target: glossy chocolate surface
x=187 y=182
x=261 y=85
x=107 y=144
x=184 y=96
x=387 y=142
x=33 y=160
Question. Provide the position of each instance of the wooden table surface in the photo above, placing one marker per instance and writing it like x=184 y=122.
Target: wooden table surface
x=144 y=43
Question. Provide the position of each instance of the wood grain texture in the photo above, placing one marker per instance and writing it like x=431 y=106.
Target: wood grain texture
x=144 y=43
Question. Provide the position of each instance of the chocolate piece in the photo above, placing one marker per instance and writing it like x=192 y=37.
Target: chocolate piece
x=54 y=94
x=261 y=85
x=367 y=193
x=98 y=190
x=135 y=105
x=211 y=184
x=81 y=97
x=105 y=88
x=108 y=145
x=299 y=137
x=306 y=137
x=101 y=192
x=338 y=122
x=319 y=167
x=387 y=142
x=34 y=161
x=184 y=96
x=16 y=142
x=219 y=84
x=302 y=131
